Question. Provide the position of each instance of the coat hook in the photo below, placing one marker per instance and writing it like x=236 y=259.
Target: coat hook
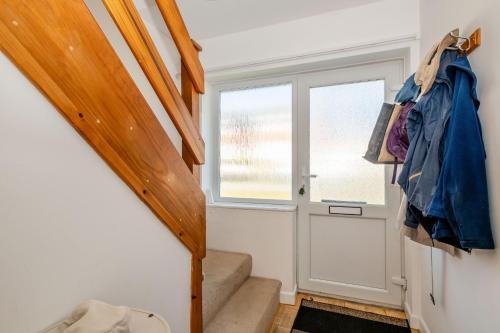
x=470 y=43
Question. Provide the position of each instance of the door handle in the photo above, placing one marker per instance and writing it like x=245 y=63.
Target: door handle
x=310 y=176
x=302 y=190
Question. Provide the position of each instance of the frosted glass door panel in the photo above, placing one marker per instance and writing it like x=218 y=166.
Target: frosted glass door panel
x=256 y=143
x=342 y=118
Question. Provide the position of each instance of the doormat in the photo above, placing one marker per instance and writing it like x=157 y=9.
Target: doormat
x=316 y=317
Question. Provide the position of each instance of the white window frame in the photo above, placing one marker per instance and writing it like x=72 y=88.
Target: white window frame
x=283 y=77
x=248 y=84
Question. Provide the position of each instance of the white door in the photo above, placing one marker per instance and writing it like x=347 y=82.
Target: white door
x=348 y=241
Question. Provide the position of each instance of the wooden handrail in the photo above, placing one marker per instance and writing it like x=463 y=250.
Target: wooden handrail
x=95 y=93
x=129 y=22
x=196 y=45
x=189 y=53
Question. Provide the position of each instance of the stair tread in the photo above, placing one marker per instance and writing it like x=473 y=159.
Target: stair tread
x=250 y=310
x=224 y=272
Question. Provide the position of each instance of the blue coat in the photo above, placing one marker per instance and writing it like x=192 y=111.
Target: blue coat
x=409 y=92
x=460 y=202
x=426 y=127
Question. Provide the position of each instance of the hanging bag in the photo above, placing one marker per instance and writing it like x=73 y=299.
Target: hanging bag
x=397 y=140
x=378 y=134
x=385 y=156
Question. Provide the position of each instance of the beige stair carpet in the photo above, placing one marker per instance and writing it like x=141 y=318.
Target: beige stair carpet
x=250 y=310
x=224 y=273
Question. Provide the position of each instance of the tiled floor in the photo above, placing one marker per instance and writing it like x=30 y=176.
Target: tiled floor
x=283 y=320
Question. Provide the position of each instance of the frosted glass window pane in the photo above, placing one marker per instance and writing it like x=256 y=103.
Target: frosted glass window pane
x=342 y=118
x=256 y=143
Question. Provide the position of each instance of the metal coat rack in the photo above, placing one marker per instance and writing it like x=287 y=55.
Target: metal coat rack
x=470 y=43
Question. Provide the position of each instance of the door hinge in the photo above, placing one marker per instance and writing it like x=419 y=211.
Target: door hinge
x=400 y=281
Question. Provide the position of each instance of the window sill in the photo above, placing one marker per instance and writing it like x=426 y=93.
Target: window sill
x=253 y=206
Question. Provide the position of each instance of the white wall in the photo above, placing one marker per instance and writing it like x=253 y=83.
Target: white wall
x=383 y=26
x=208 y=127
x=376 y=22
x=70 y=228
x=467 y=287
x=269 y=236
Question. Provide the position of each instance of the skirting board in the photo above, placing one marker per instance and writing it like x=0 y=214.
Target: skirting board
x=416 y=321
x=288 y=297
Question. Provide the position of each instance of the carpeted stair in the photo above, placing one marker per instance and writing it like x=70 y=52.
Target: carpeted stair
x=233 y=301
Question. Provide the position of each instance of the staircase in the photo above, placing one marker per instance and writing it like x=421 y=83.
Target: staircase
x=234 y=301
x=61 y=48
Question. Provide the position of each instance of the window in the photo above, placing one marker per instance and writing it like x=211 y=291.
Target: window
x=256 y=143
x=342 y=118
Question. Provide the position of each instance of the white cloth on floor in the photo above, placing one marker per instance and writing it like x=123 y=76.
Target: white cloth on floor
x=140 y=321
x=98 y=317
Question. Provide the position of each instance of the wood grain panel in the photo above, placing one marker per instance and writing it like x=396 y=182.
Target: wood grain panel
x=61 y=49
x=180 y=34
x=192 y=100
x=196 y=295
x=128 y=20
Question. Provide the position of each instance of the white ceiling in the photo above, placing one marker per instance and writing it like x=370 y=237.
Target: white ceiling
x=210 y=18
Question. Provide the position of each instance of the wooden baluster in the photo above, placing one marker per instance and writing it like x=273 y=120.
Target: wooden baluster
x=192 y=100
x=196 y=295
